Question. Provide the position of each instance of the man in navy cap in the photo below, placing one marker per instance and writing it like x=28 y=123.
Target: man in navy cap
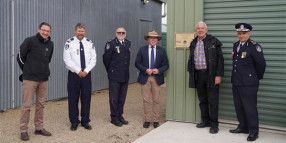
x=248 y=68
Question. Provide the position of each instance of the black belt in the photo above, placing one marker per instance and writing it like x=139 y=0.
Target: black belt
x=201 y=70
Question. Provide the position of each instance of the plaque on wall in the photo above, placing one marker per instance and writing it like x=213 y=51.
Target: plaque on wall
x=183 y=40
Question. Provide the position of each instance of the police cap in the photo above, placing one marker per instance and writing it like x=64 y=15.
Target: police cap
x=243 y=27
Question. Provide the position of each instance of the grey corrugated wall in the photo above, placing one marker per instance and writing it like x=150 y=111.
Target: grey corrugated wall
x=101 y=18
x=268 y=19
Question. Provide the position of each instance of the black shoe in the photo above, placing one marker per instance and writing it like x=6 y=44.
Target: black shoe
x=214 y=130
x=116 y=123
x=87 y=126
x=252 y=137
x=156 y=124
x=238 y=130
x=123 y=121
x=24 y=136
x=203 y=124
x=146 y=124
x=74 y=127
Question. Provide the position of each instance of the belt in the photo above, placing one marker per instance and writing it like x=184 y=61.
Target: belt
x=201 y=70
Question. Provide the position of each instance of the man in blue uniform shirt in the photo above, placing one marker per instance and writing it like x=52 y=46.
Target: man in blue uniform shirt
x=116 y=59
x=248 y=68
x=80 y=59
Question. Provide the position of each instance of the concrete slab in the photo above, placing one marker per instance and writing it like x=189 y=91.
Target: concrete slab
x=178 y=132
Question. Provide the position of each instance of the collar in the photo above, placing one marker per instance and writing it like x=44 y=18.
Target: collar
x=38 y=35
x=150 y=46
x=77 y=40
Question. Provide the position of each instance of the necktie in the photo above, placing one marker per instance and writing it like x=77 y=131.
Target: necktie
x=152 y=58
x=82 y=57
x=123 y=43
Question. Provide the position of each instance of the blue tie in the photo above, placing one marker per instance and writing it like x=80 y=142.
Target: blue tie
x=152 y=58
x=82 y=57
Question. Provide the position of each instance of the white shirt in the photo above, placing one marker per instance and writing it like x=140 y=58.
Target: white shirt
x=72 y=55
x=238 y=48
x=149 y=53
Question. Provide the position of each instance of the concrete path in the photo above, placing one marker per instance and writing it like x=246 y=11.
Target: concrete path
x=178 y=132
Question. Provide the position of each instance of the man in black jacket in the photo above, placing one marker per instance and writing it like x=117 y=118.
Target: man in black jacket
x=34 y=58
x=116 y=59
x=206 y=66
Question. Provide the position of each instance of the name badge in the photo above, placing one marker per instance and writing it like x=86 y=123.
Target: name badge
x=117 y=48
x=243 y=55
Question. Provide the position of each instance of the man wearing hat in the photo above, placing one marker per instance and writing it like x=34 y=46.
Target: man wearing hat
x=206 y=66
x=152 y=62
x=248 y=68
x=116 y=59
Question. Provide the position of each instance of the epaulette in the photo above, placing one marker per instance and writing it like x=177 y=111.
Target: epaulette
x=88 y=40
x=253 y=42
x=69 y=40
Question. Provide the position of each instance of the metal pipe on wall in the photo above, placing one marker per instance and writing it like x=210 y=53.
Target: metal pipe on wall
x=12 y=36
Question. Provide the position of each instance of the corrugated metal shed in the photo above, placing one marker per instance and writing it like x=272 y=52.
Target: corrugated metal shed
x=20 y=19
x=268 y=19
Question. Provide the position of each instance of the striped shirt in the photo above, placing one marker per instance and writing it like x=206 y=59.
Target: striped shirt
x=200 y=59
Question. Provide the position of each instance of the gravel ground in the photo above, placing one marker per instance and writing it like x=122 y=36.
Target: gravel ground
x=56 y=121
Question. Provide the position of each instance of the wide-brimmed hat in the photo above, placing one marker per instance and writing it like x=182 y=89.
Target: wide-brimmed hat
x=152 y=33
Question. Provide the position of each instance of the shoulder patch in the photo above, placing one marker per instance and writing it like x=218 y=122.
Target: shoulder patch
x=67 y=46
x=258 y=48
x=107 y=46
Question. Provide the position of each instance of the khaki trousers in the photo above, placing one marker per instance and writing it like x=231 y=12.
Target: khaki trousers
x=28 y=90
x=151 y=92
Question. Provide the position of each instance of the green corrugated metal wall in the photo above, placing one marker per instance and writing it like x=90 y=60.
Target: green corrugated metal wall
x=164 y=39
x=268 y=19
x=182 y=102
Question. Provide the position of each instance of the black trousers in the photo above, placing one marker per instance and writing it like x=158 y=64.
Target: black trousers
x=245 y=102
x=208 y=97
x=79 y=87
x=117 y=96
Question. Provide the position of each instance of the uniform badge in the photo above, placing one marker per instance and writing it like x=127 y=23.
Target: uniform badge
x=243 y=55
x=107 y=46
x=241 y=26
x=258 y=48
x=67 y=46
x=117 y=48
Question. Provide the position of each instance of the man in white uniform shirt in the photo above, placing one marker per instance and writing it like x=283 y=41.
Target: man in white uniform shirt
x=80 y=59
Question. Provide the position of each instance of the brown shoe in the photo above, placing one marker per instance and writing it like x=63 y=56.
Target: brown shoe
x=42 y=132
x=24 y=136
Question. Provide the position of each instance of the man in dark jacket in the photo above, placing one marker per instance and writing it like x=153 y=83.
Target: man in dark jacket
x=248 y=68
x=116 y=59
x=152 y=62
x=34 y=58
x=206 y=66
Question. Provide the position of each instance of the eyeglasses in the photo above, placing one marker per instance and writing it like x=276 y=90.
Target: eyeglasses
x=120 y=33
x=48 y=31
